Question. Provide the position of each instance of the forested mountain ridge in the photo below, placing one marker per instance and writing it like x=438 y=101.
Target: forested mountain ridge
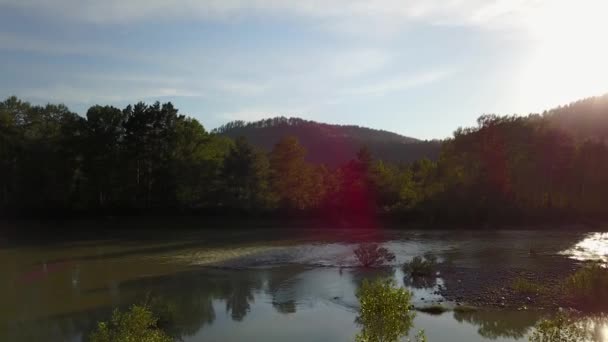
x=149 y=158
x=583 y=119
x=331 y=144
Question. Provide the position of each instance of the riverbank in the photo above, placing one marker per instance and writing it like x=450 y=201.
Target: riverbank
x=496 y=286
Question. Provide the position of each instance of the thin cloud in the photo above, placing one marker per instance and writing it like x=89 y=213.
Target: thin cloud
x=63 y=93
x=403 y=82
x=391 y=11
x=240 y=87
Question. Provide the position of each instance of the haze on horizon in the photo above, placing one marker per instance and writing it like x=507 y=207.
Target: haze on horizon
x=420 y=68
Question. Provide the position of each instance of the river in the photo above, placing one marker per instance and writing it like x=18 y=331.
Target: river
x=262 y=284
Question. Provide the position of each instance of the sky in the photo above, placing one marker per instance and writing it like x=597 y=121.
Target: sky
x=421 y=68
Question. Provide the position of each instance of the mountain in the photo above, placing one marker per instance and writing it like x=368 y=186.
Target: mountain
x=586 y=119
x=331 y=144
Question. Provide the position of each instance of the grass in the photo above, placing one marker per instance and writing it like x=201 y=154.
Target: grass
x=525 y=286
x=561 y=328
x=588 y=286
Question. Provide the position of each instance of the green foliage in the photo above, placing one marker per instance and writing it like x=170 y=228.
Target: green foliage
x=151 y=157
x=372 y=255
x=385 y=313
x=137 y=324
x=587 y=287
x=421 y=266
x=559 y=329
x=245 y=176
x=525 y=286
x=420 y=336
x=293 y=179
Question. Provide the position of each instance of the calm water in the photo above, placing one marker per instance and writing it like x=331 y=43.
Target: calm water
x=263 y=285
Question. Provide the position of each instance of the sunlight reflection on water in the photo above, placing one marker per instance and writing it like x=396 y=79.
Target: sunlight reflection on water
x=593 y=247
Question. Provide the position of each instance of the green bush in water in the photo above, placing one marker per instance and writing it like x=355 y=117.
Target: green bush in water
x=588 y=286
x=372 y=255
x=559 y=329
x=138 y=324
x=386 y=314
x=421 y=267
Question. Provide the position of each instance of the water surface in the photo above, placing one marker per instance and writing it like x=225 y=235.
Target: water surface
x=267 y=285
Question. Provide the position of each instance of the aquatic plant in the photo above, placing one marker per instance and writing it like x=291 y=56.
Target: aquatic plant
x=137 y=324
x=421 y=266
x=587 y=287
x=561 y=328
x=372 y=255
x=386 y=313
x=525 y=286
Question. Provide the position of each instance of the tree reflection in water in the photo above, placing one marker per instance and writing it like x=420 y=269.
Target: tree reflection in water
x=497 y=324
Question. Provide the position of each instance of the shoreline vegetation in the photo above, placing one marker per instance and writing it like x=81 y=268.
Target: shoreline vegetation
x=148 y=160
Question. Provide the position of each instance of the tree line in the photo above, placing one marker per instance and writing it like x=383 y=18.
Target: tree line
x=151 y=158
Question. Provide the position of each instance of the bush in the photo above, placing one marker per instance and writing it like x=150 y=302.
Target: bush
x=372 y=255
x=137 y=324
x=559 y=329
x=385 y=313
x=588 y=286
x=421 y=267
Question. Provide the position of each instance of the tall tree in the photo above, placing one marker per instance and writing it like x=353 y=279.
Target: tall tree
x=246 y=174
x=292 y=178
x=105 y=133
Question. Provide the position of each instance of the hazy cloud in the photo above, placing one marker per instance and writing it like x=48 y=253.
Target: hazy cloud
x=402 y=82
x=392 y=11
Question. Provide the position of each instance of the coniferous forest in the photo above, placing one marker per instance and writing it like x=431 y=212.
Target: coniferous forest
x=150 y=158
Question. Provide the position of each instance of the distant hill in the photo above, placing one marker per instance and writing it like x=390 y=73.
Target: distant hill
x=586 y=119
x=332 y=144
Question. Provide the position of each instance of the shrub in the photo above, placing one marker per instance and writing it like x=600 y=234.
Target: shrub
x=421 y=267
x=385 y=313
x=588 y=286
x=559 y=329
x=372 y=255
x=137 y=324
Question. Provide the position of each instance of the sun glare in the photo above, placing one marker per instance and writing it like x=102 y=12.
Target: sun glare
x=568 y=55
x=592 y=247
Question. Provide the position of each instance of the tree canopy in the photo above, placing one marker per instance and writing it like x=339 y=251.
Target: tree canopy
x=151 y=157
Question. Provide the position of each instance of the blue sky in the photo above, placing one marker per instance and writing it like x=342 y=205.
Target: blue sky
x=416 y=67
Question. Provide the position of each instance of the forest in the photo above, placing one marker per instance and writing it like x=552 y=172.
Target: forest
x=332 y=145
x=149 y=158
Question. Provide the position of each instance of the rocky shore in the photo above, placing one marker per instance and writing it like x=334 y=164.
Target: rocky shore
x=494 y=286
